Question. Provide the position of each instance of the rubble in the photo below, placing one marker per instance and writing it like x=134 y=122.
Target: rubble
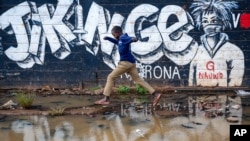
x=9 y=105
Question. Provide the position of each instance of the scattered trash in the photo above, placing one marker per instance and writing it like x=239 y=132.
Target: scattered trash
x=67 y=91
x=101 y=125
x=188 y=125
x=140 y=133
x=46 y=88
x=8 y=105
x=237 y=107
x=242 y=93
x=192 y=124
x=198 y=123
x=233 y=119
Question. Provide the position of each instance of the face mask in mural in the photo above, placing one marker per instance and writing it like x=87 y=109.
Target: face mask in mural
x=211 y=24
x=211 y=30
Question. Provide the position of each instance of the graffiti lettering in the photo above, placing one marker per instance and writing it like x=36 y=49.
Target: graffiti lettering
x=210 y=75
x=14 y=19
x=31 y=37
x=235 y=19
x=160 y=72
x=210 y=65
x=58 y=34
x=147 y=71
x=159 y=37
x=147 y=50
x=99 y=19
x=52 y=24
x=206 y=75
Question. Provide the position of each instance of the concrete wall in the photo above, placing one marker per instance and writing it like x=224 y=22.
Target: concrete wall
x=60 y=42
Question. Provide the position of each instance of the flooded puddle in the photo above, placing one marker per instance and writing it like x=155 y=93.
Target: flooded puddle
x=176 y=118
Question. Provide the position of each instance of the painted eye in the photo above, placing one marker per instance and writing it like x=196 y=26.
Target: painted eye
x=205 y=21
x=214 y=21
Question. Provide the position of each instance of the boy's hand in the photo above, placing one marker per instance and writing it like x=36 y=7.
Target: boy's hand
x=134 y=39
x=105 y=38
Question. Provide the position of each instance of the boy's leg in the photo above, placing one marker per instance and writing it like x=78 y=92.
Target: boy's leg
x=118 y=71
x=122 y=68
x=138 y=80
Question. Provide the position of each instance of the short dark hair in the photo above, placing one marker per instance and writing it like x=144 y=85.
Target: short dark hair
x=116 y=29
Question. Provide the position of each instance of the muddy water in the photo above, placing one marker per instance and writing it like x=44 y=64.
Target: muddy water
x=176 y=118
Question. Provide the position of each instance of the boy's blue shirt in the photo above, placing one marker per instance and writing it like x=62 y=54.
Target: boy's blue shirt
x=124 y=47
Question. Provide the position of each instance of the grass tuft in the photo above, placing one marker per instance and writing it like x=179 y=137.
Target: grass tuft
x=123 y=89
x=58 y=111
x=25 y=100
x=140 y=90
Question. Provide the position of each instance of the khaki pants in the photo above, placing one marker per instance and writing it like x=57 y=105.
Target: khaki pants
x=125 y=67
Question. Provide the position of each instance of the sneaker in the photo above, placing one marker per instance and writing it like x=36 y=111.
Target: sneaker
x=102 y=102
x=156 y=99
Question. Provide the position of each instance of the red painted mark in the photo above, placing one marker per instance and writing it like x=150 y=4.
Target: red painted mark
x=210 y=65
x=245 y=20
x=210 y=74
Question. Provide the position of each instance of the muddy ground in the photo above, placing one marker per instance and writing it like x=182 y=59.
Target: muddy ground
x=81 y=102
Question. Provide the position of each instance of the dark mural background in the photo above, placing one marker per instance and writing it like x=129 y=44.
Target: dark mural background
x=60 y=43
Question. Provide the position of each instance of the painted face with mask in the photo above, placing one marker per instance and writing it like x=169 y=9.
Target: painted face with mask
x=211 y=24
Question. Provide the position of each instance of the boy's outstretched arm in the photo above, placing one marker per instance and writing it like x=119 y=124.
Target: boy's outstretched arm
x=134 y=39
x=111 y=39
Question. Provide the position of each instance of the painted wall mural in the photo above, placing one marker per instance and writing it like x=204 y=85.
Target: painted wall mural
x=197 y=41
x=218 y=62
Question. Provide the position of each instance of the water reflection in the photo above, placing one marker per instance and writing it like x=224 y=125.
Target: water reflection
x=36 y=128
x=216 y=106
x=193 y=118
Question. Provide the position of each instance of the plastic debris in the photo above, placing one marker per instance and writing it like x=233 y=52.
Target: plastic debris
x=233 y=119
x=140 y=133
x=237 y=107
x=242 y=93
x=9 y=105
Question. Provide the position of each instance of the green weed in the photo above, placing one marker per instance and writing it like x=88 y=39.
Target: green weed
x=25 y=100
x=123 y=89
x=140 y=90
x=95 y=88
x=57 y=111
